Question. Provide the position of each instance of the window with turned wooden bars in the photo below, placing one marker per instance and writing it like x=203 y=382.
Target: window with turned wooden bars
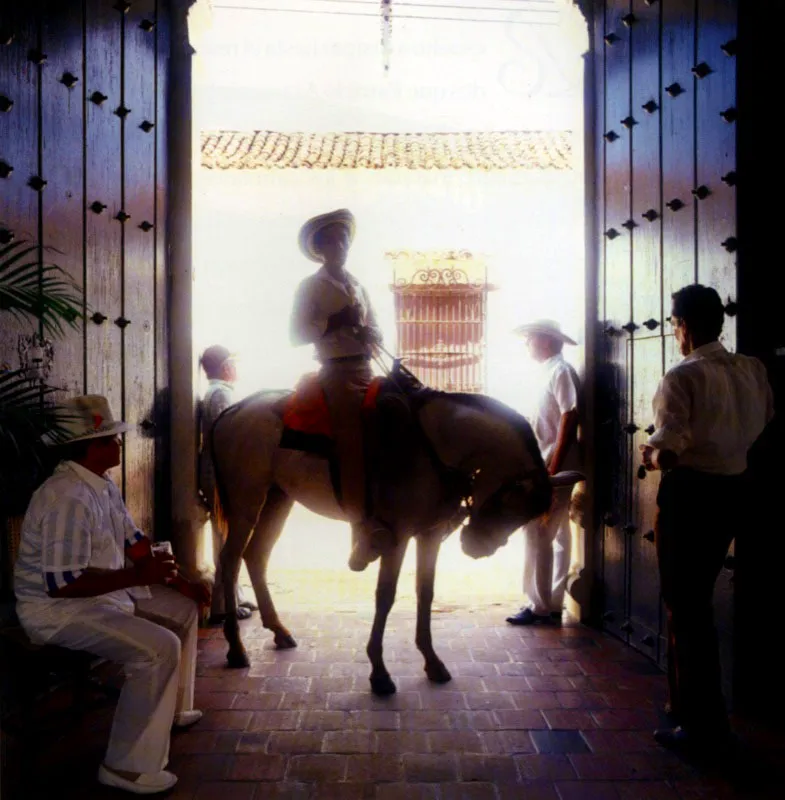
x=440 y=312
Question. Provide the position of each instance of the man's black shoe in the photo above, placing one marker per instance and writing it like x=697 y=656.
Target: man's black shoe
x=527 y=617
x=714 y=745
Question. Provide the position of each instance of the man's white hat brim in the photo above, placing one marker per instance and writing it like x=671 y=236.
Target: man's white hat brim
x=546 y=329
x=308 y=231
x=112 y=429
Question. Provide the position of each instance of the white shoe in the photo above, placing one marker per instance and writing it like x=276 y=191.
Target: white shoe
x=146 y=783
x=186 y=718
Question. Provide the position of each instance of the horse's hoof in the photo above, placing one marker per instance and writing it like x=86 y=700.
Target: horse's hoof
x=438 y=673
x=237 y=659
x=382 y=685
x=284 y=641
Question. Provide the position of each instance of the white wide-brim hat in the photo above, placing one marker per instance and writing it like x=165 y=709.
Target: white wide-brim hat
x=308 y=231
x=85 y=417
x=546 y=327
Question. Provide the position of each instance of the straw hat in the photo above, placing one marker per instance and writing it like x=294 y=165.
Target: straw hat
x=86 y=417
x=308 y=231
x=546 y=327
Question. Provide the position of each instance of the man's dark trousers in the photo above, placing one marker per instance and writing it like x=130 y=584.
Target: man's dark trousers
x=699 y=516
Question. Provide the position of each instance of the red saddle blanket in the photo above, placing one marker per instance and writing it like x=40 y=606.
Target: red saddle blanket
x=306 y=410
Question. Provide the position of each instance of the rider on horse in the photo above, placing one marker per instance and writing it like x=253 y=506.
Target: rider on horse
x=332 y=311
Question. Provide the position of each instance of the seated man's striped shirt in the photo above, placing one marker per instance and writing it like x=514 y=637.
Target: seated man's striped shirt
x=77 y=520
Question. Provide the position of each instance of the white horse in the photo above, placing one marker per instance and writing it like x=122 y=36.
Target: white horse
x=455 y=456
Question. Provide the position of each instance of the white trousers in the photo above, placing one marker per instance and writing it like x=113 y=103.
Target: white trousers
x=157 y=648
x=547 y=552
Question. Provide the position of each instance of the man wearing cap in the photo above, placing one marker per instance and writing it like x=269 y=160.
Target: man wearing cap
x=333 y=312
x=548 y=539
x=74 y=590
x=220 y=367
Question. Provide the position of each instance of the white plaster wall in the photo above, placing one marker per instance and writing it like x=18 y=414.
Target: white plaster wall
x=247 y=262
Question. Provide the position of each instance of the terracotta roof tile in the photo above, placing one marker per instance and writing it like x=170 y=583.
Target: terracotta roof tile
x=486 y=151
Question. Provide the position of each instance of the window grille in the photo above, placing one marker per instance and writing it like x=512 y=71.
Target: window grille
x=440 y=312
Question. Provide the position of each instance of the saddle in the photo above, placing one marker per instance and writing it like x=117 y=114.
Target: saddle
x=305 y=410
x=306 y=418
x=386 y=418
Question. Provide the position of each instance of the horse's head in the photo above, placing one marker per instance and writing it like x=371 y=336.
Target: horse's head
x=514 y=503
x=494 y=450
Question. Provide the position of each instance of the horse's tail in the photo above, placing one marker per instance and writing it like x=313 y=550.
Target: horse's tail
x=218 y=515
x=219 y=499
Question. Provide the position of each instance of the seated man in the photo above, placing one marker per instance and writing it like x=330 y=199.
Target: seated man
x=74 y=590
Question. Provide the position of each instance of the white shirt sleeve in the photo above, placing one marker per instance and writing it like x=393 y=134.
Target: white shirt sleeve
x=672 y=409
x=565 y=390
x=308 y=323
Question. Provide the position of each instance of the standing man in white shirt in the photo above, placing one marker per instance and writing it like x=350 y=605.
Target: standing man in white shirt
x=708 y=411
x=548 y=539
x=333 y=312
x=74 y=590
x=220 y=368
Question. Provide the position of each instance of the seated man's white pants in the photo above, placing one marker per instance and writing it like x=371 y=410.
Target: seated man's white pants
x=157 y=648
x=547 y=552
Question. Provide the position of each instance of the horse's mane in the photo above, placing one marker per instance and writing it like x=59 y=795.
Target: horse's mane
x=490 y=405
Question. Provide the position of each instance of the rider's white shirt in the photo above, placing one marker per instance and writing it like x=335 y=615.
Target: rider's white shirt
x=320 y=296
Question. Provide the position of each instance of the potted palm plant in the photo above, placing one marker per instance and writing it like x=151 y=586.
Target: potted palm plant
x=41 y=295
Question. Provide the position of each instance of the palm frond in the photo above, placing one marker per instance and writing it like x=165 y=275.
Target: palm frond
x=33 y=289
x=27 y=409
x=27 y=412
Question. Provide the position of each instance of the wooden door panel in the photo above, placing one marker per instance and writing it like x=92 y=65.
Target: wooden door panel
x=75 y=158
x=617 y=167
x=644 y=581
x=614 y=465
x=18 y=153
x=162 y=515
x=139 y=260
x=671 y=351
x=665 y=147
x=678 y=146
x=63 y=206
x=103 y=181
x=646 y=186
x=618 y=311
x=671 y=357
x=715 y=125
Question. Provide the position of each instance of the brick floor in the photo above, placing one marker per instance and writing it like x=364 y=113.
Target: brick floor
x=555 y=713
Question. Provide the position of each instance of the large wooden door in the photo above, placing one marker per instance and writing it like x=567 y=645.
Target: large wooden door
x=665 y=88
x=83 y=93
